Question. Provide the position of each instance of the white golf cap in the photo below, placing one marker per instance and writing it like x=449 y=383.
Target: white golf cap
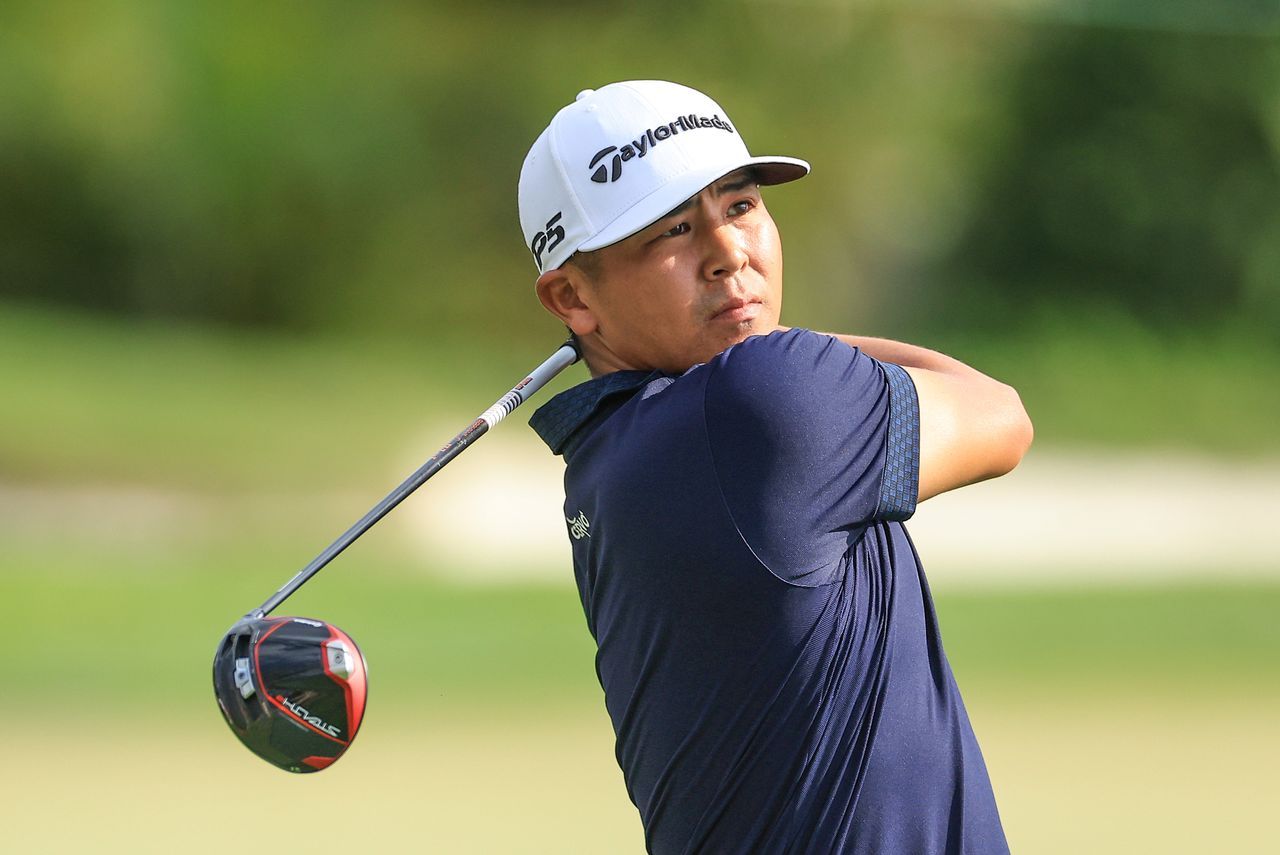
x=621 y=157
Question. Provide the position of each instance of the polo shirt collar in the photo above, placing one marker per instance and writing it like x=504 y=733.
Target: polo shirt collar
x=559 y=419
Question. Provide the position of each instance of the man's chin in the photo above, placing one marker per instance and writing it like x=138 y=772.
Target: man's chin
x=756 y=326
x=737 y=336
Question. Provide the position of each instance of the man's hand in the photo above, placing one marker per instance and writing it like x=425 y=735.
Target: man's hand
x=971 y=427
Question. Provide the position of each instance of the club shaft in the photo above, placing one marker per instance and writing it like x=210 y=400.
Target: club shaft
x=503 y=407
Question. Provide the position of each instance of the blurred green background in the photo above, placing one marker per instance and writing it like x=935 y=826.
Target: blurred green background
x=257 y=261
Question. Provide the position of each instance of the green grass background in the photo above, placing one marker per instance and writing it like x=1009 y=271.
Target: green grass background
x=1124 y=718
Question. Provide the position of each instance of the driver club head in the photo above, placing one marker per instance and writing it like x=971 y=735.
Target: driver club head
x=292 y=689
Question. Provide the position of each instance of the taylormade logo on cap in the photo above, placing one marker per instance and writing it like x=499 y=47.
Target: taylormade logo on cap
x=649 y=138
x=620 y=158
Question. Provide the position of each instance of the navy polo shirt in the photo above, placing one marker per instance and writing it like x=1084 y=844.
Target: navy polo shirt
x=767 y=643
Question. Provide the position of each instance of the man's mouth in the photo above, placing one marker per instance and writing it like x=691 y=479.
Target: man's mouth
x=738 y=310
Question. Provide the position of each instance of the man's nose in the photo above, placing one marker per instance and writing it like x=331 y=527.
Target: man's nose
x=726 y=252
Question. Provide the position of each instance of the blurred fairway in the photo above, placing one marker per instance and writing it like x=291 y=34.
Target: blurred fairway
x=89 y=399
x=1086 y=773
x=1114 y=719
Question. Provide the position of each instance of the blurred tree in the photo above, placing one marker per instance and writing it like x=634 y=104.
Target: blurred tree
x=1138 y=171
x=332 y=166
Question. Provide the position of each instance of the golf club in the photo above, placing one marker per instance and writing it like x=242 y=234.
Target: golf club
x=293 y=689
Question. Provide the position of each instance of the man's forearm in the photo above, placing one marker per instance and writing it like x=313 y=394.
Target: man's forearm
x=972 y=427
x=906 y=355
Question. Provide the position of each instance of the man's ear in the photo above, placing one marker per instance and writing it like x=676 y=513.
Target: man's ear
x=566 y=292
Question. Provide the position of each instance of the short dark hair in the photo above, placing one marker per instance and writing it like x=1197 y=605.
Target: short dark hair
x=587 y=262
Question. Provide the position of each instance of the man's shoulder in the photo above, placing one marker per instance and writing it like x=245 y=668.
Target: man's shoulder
x=787 y=365
x=793 y=349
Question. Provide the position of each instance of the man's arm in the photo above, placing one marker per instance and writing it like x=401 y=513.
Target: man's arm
x=971 y=427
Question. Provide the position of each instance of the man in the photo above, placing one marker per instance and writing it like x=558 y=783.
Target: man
x=735 y=493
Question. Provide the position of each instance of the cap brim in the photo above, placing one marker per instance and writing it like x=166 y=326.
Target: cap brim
x=668 y=197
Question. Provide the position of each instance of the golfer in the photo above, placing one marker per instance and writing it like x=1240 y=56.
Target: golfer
x=735 y=494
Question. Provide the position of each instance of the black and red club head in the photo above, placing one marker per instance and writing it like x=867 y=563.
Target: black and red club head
x=292 y=689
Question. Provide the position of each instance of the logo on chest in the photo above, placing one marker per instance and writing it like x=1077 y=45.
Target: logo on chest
x=579 y=526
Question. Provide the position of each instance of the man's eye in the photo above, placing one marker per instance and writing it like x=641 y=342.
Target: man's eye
x=676 y=230
x=742 y=207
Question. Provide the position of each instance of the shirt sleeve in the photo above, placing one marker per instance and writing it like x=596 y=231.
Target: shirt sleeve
x=899 y=487
x=812 y=441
